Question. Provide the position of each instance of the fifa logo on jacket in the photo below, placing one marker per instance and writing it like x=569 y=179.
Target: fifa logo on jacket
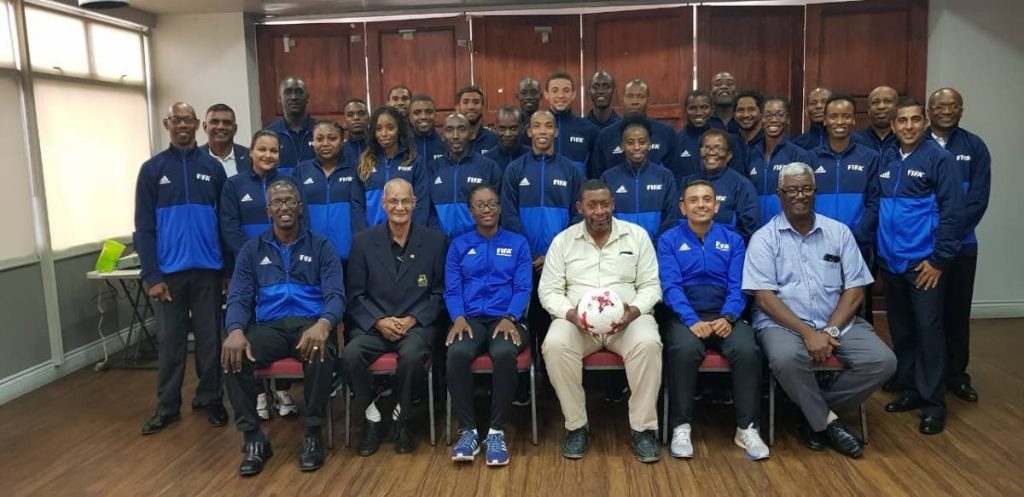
x=202 y=177
x=724 y=247
x=575 y=139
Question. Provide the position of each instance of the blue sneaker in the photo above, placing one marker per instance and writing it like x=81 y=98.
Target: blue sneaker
x=467 y=446
x=497 y=451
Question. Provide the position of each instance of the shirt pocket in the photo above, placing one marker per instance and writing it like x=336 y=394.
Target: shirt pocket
x=830 y=274
x=624 y=266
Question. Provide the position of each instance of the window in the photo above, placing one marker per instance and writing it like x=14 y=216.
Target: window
x=117 y=54
x=19 y=237
x=57 y=43
x=6 y=36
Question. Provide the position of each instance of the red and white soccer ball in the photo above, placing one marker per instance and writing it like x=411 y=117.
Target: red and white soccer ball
x=599 y=310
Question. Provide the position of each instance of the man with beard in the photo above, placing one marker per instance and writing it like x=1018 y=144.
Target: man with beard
x=220 y=127
x=399 y=97
x=815 y=136
x=421 y=115
x=607 y=151
x=295 y=129
x=767 y=158
x=879 y=135
x=357 y=119
x=469 y=101
x=748 y=116
x=576 y=135
x=509 y=129
x=602 y=94
x=723 y=93
x=697 y=107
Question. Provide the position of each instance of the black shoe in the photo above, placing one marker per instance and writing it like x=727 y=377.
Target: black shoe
x=891 y=385
x=931 y=425
x=903 y=404
x=216 y=414
x=371 y=438
x=842 y=440
x=965 y=392
x=522 y=398
x=575 y=444
x=814 y=440
x=158 y=422
x=615 y=395
x=312 y=455
x=404 y=441
x=256 y=455
x=646 y=447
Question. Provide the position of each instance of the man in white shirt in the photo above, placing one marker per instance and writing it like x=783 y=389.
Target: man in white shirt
x=220 y=127
x=603 y=252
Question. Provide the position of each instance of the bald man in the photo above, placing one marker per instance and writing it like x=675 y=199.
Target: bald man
x=295 y=128
x=177 y=240
x=945 y=108
x=815 y=136
x=723 y=95
x=882 y=109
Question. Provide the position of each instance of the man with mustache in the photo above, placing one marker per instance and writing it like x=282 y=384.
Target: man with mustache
x=469 y=101
x=509 y=130
x=723 y=92
x=747 y=113
x=220 y=127
x=882 y=108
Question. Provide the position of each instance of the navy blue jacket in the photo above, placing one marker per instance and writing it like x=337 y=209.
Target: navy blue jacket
x=429 y=146
x=502 y=159
x=916 y=204
x=538 y=198
x=975 y=163
x=765 y=175
x=282 y=281
x=868 y=138
x=815 y=136
x=176 y=204
x=688 y=162
x=488 y=277
x=328 y=202
x=351 y=150
x=576 y=137
x=758 y=139
x=295 y=147
x=450 y=182
x=485 y=140
x=738 y=205
x=243 y=161
x=716 y=122
x=603 y=124
x=607 y=152
x=843 y=180
x=243 y=207
x=647 y=198
x=701 y=277
x=366 y=195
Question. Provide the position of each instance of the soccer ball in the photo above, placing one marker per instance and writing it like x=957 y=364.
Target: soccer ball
x=599 y=309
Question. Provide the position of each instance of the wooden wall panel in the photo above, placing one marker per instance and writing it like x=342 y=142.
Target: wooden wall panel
x=323 y=55
x=763 y=48
x=653 y=45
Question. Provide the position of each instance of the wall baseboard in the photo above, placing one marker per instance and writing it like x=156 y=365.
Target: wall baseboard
x=997 y=309
x=23 y=382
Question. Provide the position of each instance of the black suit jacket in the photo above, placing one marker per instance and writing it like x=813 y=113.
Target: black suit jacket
x=377 y=290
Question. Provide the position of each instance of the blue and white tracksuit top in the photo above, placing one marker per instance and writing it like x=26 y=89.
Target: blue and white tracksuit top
x=738 y=205
x=647 y=197
x=503 y=159
x=351 y=151
x=302 y=280
x=688 y=162
x=868 y=138
x=576 y=138
x=843 y=180
x=295 y=147
x=538 y=198
x=607 y=152
x=366 y=196
x=701 y=277
x=243 y=207
x=488 y=277
x=328 y=202
x=450 y=182
x=916 y=203
x=765 y=174
x=177 y=197
x=975 y=164
x=429 y=146
x=485 y=141
x=815 y=136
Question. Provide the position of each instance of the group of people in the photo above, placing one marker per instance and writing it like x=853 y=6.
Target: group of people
x=339 y=243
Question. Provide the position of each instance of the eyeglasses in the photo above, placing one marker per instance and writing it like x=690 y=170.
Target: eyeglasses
x=775 y=115
x=182 y=120
x=485 y=206
x=714 y=150
x=278 y=203
x=946 y=107
x=405 y=202
x=793 y=192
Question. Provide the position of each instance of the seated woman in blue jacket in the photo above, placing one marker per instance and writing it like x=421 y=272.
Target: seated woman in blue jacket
x=488 y=278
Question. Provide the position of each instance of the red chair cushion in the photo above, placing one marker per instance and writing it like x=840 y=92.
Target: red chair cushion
x=386 y=363
x=483 y=361
x=603 y=359
x=832 y=362
x=283 y=367
x=714 y=360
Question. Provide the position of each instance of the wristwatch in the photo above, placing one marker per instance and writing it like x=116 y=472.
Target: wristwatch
x=731 y=318
x=510 y=317
x=832 y=331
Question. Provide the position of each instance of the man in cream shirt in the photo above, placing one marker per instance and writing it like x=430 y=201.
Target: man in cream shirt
x=603 y=252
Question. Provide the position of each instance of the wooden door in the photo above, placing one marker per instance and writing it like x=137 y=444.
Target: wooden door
x=857 y=46
x=654 y=45
x=328 y=57
x=762 y=47
x=507 y=49
x=428 y=55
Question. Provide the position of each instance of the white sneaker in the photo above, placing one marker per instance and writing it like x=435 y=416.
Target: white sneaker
x=261 y=407
x=285 y=405
x=749 y=439
x=681 y=445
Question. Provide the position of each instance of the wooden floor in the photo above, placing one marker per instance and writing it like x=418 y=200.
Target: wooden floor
x=80 y=436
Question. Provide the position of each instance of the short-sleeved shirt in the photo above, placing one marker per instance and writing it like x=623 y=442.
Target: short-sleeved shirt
x=808 y=273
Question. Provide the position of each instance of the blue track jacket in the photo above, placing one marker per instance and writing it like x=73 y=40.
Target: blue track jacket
x=366 y=196
x=815 y=136
x=502 y=159
x=243 y=207
x=576 y=138
x=295 y=147
x=738 y=205
x=647 y=197
x=328 y=202
x=688 y=162
x=765 y=174
x=351 y=150
x=701 y=277
x=429 y=146
x=843 y=180
x=485 y=141
x=603 y=124
x=975 y=163
x=450 y=183
x=607 y=152
x=538 y=198
x=868 y=138
x=488 y=277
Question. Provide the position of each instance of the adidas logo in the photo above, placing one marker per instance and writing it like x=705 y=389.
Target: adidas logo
x=753 y=171
x=265 y=261
x=437 y=181
x=684 y=247
x=622 y=189
x=686 y=153
x=884 y=175
x=472 y=251
x=618 y=150
x=165 y=181
x=309 y=181
x=820 y=170
x=246 y=198
x=524 y=182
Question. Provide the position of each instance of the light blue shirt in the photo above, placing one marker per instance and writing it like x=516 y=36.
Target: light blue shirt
x=808 y=273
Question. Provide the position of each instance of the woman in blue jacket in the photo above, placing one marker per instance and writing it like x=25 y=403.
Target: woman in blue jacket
x=325 y=184
x=488 y=278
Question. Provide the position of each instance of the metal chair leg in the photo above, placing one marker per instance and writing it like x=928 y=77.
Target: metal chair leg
x=448 y=417
x=348 y=415
x=430 y=395
x=330 y=424
x=533 y=404
x=771 y=409
x=664 y=418
x=863 y=423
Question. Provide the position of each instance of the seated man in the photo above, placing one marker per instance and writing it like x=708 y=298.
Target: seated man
x=396 y=284
x=808 y=277
x=293 y=278
x=700 y=264
x=603 y=252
